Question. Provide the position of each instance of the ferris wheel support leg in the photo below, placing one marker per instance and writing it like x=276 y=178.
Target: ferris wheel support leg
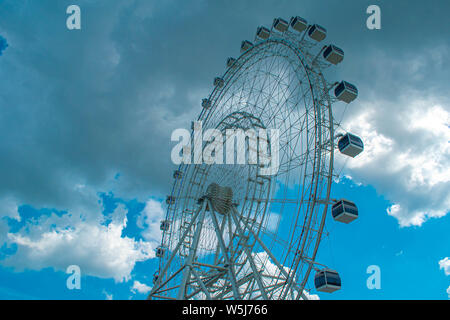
x=240 y=283
x=256 y=273
x=230 y=268
x=192 y=252
x=201 y=283
x=169 y=261
x=248 y=289
x=207 y=284
x=269 y=253
x=222 y=228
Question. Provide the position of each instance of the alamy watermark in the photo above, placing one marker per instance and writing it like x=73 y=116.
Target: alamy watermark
x=74 y=280
x=374 y=280
x=73 y=21
x=253 y=146
x=373 y=22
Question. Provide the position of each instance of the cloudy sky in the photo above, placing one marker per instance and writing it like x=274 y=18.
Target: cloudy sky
x=86 y=117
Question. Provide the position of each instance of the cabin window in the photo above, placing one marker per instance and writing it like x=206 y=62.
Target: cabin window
x=339 y=89
x=333 y=278
x=343 y=143
x=339 y=50
x=320 y=28
x=351 y=87
x=351 y=209
x=320 y=281
x=337 y=211
x=357 y=141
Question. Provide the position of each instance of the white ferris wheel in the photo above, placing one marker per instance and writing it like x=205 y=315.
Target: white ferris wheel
x=231 y=232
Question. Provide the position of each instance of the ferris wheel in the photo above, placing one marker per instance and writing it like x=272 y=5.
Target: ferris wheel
x=232 y=231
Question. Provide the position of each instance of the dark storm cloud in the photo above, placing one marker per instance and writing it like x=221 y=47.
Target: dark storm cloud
x=80 y=106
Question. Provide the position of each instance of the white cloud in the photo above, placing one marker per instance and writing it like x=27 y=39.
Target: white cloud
x=9 y=208
x=272 y=221
x=93 y=244
x=108 y=296
x=310 y=296
x=444 y=264
x=406 y=155
x=270 y=270
x=141 y=288
x=150 y=219
x=271 y=275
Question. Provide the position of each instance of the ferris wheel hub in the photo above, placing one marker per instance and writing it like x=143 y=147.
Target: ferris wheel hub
x=221 y=197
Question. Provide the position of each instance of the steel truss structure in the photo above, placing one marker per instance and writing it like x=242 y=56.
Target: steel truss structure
x=230 y=232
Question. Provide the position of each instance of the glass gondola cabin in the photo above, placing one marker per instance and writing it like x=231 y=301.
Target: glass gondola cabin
x=230 y=62
x=327 y=280
x=155 y=278
x=299 y=24
x=333 y=54
x=218 y=82
x=170 y=200
x=344 y=211
x=245 y=45
x=160 y=251
x=206 y=103
x=346 y=92
x=263 y=33
x=350 y=145
x=280 y=24
x=177 y=174
x=164 y=225
x=317 y=32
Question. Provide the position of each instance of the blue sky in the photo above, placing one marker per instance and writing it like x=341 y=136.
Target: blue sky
x=86 y=117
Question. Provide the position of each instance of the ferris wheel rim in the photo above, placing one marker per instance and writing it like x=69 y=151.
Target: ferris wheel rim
x=299 y=53
x=218 y=92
